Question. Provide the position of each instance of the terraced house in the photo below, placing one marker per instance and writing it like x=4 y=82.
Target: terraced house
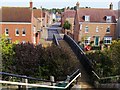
x=95 y=25
x=22 y=24
x=68 y=15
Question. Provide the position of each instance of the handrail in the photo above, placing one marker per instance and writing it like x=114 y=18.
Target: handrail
x=43 y=86
x=96 y=75
x=74 y=73
x=76 y=44
x=27 y=84
x=55 y=40
x=102 y=78
x=23 y=76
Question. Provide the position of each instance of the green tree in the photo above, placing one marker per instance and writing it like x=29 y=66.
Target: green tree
x=7 y=54
x=114 y=54
x=102 y=63
x=66 y=25
x=58 y=63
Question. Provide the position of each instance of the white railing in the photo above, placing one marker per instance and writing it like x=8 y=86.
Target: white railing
x=38 y=85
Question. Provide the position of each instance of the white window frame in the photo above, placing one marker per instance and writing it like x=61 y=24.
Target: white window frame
x=87 y=18
x=23 y=30
x=16 y=32
x=6 y=32
x=86 y=29
x=106 y=39
x=88 y=40
x=108 y=19
x=107 y=29
x=97 y=29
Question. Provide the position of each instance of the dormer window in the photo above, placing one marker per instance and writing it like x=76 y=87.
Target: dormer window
x=87 y=18
x=108 y=19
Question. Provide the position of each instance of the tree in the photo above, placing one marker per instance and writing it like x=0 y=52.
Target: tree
x=27 y=59
x=66 y=25
x=7 y=54
x=114 y=54
x=58 y=63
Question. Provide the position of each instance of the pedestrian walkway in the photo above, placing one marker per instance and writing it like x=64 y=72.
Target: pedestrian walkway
x=53 y=30
x=43 y=38
x=84 y=80
x=47 y=34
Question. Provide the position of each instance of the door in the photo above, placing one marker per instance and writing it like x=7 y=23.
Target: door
x=96 y=40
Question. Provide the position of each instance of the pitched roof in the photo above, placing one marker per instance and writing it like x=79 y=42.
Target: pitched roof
x=96 y=15
x=16 y=14
x=69 y=13
x=37 y=13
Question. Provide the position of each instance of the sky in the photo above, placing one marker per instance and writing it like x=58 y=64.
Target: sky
x=60 y=3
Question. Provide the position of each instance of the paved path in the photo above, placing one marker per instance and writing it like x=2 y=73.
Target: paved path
x=83 y=81
x=47 y=34
x=54 y=30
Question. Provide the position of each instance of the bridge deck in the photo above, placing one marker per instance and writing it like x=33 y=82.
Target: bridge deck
x=84 y=80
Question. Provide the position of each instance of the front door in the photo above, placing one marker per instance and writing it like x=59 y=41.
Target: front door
x=96 y=40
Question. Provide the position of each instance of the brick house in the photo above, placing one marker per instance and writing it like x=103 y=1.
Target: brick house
x=68 y=15
x=21 y=24
x=95 y=25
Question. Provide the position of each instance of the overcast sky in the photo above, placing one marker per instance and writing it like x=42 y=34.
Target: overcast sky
x=60 y=3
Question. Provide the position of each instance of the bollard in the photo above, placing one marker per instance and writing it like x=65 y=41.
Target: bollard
x=52 y=79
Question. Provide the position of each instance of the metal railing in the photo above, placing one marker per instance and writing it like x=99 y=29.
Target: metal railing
x=71 y=79
x=87 y=64
x=55 y=40
x=24 y=77
x=106 y=79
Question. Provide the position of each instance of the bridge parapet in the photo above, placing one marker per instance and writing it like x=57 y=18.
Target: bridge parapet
x=87 y=64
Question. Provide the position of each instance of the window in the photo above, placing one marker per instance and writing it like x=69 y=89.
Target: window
x=6 y=32
x=97 y=29
x=87 y=18
x=17 y=32
x=86 y=29
x=87 y=41
x=23 y=32
x=107 y=40
x=108 y=29
x=108 y=19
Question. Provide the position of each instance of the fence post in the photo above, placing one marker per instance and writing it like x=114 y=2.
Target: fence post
x=25 y=80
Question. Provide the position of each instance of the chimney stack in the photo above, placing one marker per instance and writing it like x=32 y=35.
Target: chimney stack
x=65 y=9
x=77 y=5
x=31 y=4
x=111 y=6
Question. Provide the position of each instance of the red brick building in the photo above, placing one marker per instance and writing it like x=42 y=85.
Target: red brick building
x=22 y=24
x=95 y=25
x=68 y=15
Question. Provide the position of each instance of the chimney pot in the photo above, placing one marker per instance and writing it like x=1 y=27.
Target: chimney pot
x=111 y=6
x=77 y=5
x=31 y=4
